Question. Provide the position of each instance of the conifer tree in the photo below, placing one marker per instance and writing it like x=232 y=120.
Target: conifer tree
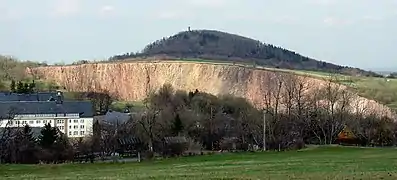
x=177 y=127
x=12 y=86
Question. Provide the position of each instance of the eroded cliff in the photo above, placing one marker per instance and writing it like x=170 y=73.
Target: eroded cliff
x=134 y=80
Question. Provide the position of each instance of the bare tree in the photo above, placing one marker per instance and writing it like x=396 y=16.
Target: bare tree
x=330 y=103
x=276 y=86
x=289 y=91
x=149 y=122
x=334 y=95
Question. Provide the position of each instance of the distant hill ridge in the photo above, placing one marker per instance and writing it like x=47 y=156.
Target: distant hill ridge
x=217 y=45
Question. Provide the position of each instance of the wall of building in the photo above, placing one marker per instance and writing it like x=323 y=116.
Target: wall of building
x=70 y=124
x=79 y=127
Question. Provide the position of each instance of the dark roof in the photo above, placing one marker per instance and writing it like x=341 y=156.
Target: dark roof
x=114 y=118
x=129 y=140
x=117 y=117
x=175 y=139
x=40 y=96
x=85 y=108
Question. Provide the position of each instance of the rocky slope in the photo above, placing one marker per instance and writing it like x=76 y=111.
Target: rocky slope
x=134 y=80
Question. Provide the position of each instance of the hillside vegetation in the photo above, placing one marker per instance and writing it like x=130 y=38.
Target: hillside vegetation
x=216 y=45
x=13 y=69
x=381 y=89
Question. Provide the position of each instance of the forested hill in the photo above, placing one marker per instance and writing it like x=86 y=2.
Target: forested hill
x=216 y=45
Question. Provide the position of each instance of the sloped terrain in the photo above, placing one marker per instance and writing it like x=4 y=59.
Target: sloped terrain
x=133 y=81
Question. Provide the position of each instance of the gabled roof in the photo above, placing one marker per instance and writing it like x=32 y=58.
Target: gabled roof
x=346 y=133
x=131 y=140
x=175 y=139
x=114 y=118
x=84 y=108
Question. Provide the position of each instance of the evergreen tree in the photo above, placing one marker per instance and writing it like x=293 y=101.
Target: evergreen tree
x=32 y=87
x=20 y=87
x=26 y=146
x=12 y=86
x=61 y=148
x=177 y=126
x=27 y=133
x=26 y=88
x=48 y=136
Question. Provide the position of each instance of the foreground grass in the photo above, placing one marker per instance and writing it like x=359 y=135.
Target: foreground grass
x=317 y=163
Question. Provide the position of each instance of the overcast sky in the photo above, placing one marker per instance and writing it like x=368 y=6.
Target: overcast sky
x=360 y=33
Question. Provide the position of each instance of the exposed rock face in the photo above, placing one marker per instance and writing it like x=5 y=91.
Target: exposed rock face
x=134 y=80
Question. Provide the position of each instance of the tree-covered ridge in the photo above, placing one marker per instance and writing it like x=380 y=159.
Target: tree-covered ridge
x=13 y=69
x=210 y=44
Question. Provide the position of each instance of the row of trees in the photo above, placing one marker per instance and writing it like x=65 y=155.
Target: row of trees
x=19 y=145
x=295 y=115
x=22 y=87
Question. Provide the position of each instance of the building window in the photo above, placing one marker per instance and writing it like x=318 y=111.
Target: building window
x=38 y=122
x=81 y=126
x=81 y=120
x=75 y=127
x=23 y=122
x=72 y=115
x=60 y=121
x=70 y=133
x=61 y=127
x=76 y=121
x=75 y=133
x=70 y=121
x=45 y=121
x=10 y=122
x=31 y=122
x=82 y=133
x=70 y=127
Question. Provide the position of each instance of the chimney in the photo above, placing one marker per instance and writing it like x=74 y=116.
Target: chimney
x=59 y=97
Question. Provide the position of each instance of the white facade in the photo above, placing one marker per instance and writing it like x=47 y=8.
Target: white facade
x=72 y=125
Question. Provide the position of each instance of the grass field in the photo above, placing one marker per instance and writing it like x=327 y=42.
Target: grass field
x=121 y=105
x=312 y=163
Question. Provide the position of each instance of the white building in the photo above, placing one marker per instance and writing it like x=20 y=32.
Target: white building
x=73 y=118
